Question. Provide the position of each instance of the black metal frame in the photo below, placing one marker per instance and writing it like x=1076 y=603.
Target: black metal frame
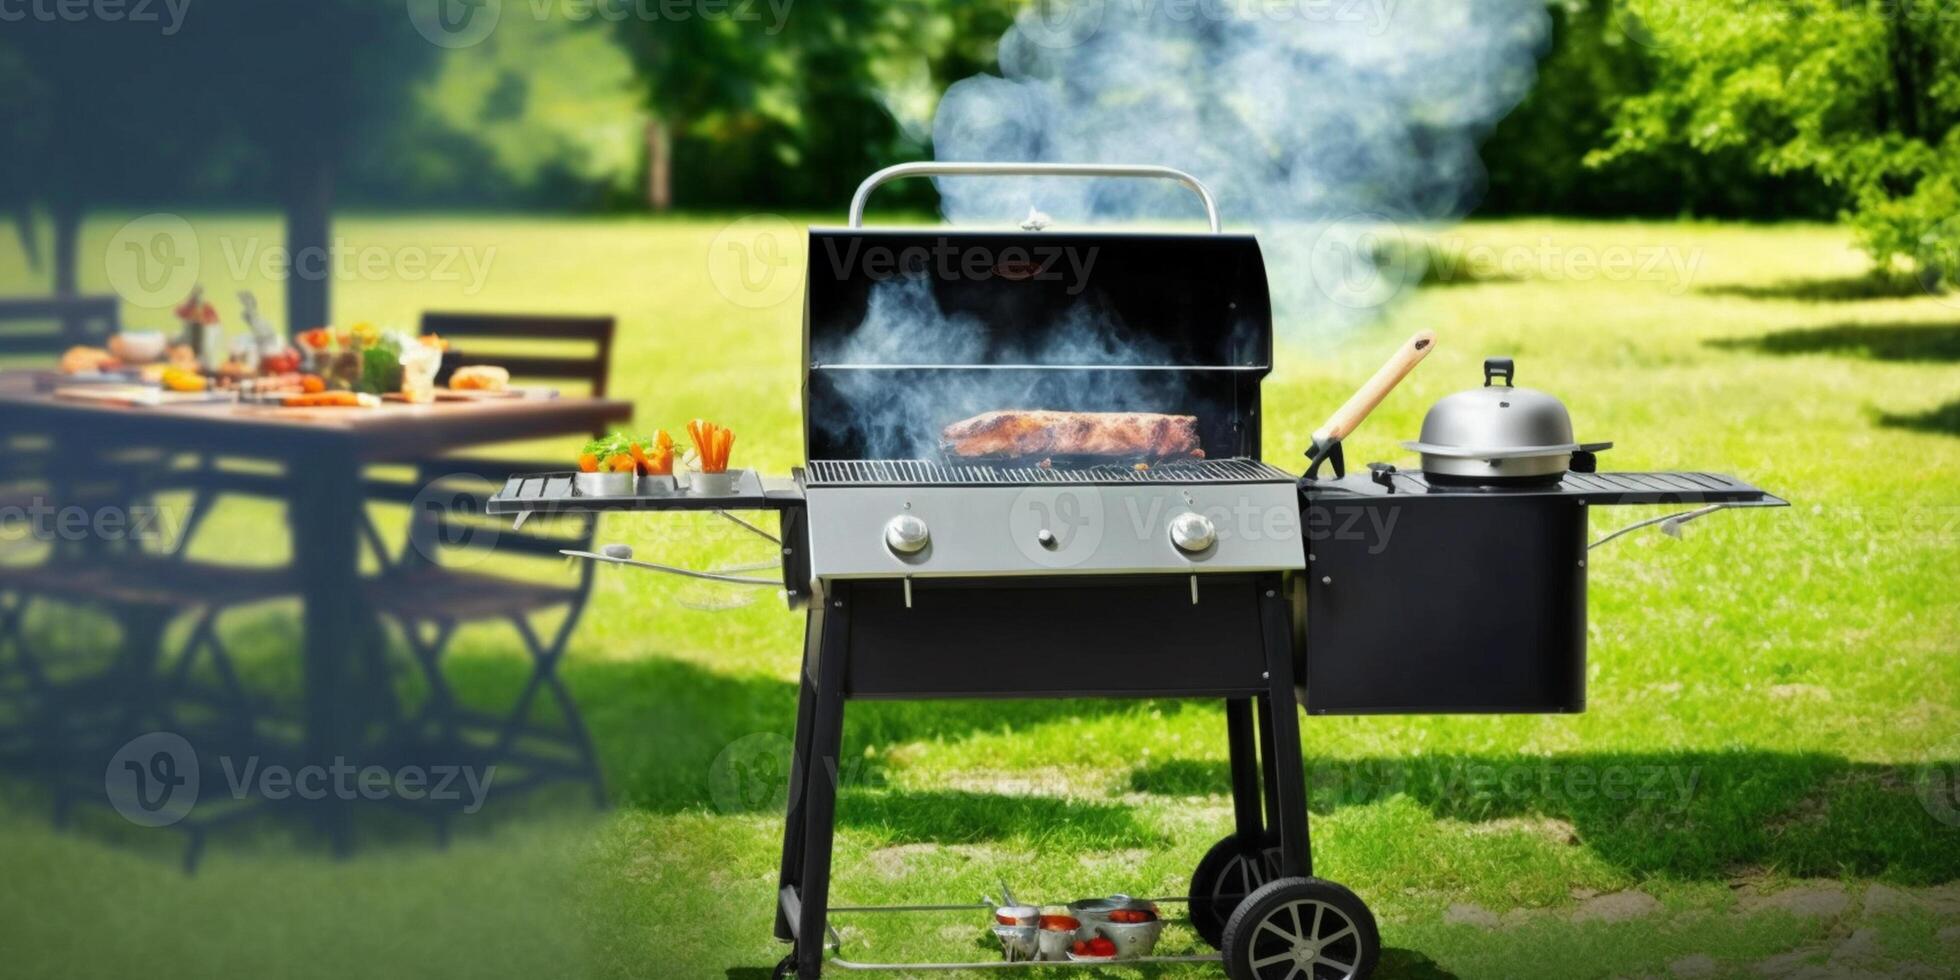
x=852 y=624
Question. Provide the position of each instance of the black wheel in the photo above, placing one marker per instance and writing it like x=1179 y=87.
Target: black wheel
x=1227 y=874
x=1301 y=929
x=787 y=968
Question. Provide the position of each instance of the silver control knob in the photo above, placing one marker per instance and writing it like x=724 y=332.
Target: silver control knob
x=906 y=535
x=1193 y=533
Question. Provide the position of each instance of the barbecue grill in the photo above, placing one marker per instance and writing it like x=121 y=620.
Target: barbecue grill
x=930 y=575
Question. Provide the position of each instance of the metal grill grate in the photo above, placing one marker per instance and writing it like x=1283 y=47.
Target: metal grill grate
x=919 y=472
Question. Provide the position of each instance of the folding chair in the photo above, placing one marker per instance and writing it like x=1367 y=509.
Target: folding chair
x=430 y=598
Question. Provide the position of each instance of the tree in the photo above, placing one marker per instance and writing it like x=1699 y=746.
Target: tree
x=795 y=112
x=1864 y=95
x=249 y=98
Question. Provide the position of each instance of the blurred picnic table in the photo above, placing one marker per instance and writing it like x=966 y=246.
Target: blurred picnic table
x=322 y=453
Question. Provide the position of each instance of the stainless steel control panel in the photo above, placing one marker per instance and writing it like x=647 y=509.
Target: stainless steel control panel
x=888 y=532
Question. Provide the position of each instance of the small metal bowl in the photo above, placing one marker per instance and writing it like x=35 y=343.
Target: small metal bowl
x=606 y=484
x=713 y=484
x=1095 y=911
x=1057 y=934
x=1020 y=944
x=1132 y=939
x=658 y=486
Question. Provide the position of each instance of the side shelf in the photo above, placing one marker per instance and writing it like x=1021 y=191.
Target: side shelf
x=557 y=493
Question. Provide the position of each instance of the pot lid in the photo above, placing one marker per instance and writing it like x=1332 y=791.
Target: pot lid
x=1499 y=421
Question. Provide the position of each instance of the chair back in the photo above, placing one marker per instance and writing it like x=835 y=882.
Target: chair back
x=38 y=329
x=536 y=348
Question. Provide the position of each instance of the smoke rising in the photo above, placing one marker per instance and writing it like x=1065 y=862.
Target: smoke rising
x=899 y=415
x=1328 y=126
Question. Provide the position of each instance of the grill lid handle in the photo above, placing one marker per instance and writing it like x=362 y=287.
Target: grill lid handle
x=1002 y=169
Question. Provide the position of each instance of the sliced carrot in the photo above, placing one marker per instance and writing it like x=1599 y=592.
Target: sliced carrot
x=588 y=463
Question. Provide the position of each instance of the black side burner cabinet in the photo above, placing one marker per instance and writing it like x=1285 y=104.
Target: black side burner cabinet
x=1461 y=587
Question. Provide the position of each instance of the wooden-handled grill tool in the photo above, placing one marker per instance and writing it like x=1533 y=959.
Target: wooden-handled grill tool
x=1327 y=438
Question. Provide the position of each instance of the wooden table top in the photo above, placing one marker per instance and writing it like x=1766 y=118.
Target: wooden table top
x=392 y=429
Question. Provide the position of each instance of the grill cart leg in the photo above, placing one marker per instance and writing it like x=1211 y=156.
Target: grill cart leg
x=1270 y=771
x=820 y=786
x=806 y=700
x=1245 y=770
x=1248 y=857
x=1283 y=743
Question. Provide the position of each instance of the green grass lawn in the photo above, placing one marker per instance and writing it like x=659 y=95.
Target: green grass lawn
x=1774 y=699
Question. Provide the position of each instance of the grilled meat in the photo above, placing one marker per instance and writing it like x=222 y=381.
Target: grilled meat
x=1028 y=434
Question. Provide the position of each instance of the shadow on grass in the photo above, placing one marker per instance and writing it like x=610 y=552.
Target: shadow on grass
x=1876 y=341
x=660 y=724
x=1693 y=815
x=955 y=817
x=1844 y=289
x=1944 y=420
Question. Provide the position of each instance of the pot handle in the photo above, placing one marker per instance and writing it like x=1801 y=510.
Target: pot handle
x=933 y=168
x=1496 y=367
x=1348 y=416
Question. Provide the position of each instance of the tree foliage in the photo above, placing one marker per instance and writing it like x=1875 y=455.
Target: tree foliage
x=796 y=112
x=1536 y=156
x=1863 y=95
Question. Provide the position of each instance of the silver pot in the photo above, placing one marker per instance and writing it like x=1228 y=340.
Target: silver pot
x=1501 y=434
